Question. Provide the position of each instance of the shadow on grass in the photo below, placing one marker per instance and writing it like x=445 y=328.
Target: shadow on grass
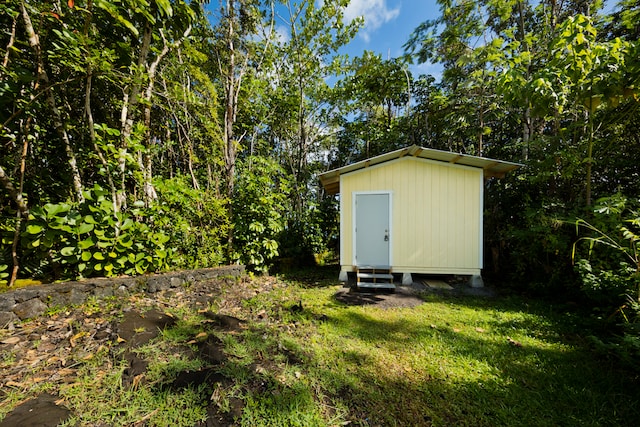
x=312 y=277
x=477 y=378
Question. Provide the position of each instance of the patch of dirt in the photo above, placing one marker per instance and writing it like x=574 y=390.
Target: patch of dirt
x=51 y=349
x=407 y=296
x=44 y=410
x=402 y=297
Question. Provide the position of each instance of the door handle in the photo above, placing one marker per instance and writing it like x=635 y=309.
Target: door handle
x=386 y=235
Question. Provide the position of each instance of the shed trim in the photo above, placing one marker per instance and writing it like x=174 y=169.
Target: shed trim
x=492 y=168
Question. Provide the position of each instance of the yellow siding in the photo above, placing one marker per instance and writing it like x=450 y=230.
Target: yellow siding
x=436 y=214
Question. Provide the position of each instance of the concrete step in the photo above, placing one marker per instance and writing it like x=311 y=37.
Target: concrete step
x=374 y=267
x=369 y=285
x=375 y=276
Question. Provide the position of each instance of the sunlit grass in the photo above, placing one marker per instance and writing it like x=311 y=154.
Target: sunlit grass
x=454 y=361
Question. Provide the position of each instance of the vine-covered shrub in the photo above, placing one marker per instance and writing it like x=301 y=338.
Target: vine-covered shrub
x=258 y=210
x=74 y=240
x=197 y=220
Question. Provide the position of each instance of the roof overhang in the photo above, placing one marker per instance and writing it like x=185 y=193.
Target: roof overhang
x=491 y=168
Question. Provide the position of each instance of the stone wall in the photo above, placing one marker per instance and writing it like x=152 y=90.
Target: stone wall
x=32 y=301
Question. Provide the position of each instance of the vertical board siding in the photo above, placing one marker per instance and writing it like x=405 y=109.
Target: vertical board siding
x=436 y=213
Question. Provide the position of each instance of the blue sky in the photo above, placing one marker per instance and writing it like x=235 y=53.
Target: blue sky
x=388 y=24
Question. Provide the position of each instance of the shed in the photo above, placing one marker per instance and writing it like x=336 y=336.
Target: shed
x=414 y=210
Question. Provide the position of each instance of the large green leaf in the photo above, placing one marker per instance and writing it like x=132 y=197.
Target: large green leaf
x=125 y=241
x=103 y=244
x=34 y=228
x=54 y=210
x=68 y=251
x=85 y=228
x=86 y=243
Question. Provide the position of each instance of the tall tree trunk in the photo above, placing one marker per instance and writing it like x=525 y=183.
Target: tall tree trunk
x=92 y=137
x=130 y=101
x=230 y=147
x=58 y=122
x=149 y=190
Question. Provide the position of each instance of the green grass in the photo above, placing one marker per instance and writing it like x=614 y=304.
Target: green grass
x=452 y=361
x=464 y=361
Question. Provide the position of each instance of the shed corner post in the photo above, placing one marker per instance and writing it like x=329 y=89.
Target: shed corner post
x=407 y=279
x=343 y=276
x=476 y=281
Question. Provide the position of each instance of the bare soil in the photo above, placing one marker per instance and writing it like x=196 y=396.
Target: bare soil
x=52 y=349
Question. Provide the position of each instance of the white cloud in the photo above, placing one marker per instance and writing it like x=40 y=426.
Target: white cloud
x=427 y=68
x=282 y=34
x=375 y=13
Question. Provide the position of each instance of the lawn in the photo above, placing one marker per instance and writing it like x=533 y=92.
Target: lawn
x=301 y=357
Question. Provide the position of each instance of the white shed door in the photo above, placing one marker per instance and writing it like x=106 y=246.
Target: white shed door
x=372 y=232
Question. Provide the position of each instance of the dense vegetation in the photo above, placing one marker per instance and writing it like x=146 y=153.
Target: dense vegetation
x=140 y=135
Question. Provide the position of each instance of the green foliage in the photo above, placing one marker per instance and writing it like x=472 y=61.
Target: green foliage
x=259 y=207
x=196 y=220
x=73 y=240
x=616 y=230
x=4 y=274
x=611 y=274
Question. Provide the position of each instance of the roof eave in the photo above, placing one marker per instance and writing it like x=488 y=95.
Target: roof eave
x=491 y=168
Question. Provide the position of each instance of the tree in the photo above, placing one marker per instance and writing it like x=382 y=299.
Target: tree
x=306 y=59
x=81 y=80
x=239 y=53
x=377 y=93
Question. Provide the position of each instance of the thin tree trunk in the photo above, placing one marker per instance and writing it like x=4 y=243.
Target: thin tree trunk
x=230 y=149
x=34 y=42
x=12 y=40
x=92 y=137
x=131 y=99
x=22 y=213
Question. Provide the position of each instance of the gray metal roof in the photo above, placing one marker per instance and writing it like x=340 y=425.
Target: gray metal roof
x=492 y=168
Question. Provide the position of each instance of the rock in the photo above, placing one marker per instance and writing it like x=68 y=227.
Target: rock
x=70 y=295
x=7 y=318
x=157 y=284
x=26 y=294
x=176 y=282
x=7 y=302
x=103 y=291
x=31 y=308
x=42 y=411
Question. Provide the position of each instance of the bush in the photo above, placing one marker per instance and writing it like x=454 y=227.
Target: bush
x=74 y=240
x=259 y=207
x=611 y=275
x=196 y=220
